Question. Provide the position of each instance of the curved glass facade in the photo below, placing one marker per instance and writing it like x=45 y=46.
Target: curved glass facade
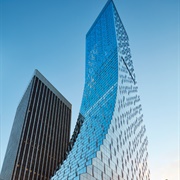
x=109 y=141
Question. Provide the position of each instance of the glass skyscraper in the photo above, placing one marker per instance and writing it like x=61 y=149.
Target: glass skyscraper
x=109 y=141
x=40 y=133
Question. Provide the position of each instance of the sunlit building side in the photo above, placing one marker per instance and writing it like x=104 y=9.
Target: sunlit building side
x=109 y=141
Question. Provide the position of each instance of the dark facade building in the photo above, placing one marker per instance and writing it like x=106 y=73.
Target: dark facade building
x=109 y=142
x=40 y=133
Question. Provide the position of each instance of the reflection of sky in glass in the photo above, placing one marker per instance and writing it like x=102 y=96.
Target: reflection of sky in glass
x=99 y=96
x=50 y=36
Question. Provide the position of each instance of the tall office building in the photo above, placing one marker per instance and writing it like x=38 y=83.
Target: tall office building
x=40 y=133
x=109 y=141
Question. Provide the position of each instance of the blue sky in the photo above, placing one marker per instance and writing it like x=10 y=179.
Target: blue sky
x=50 y=36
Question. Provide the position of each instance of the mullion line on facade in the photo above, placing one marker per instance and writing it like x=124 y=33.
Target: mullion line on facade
x=36 y=146
x=27 y=142
x=65 y=132
x=40 y=163
x=25 y=134
x=56 y=137
x=69 y=124
x=39 y=132
x=59 y=133
x=62 y=133
x=51 y=137
x=22 y=144
x=31 y=132
x=44 y=157
x=48 y=137
x=32 y=156
x=53 y=165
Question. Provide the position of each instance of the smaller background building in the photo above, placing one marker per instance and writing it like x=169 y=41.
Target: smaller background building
x=40 y=133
